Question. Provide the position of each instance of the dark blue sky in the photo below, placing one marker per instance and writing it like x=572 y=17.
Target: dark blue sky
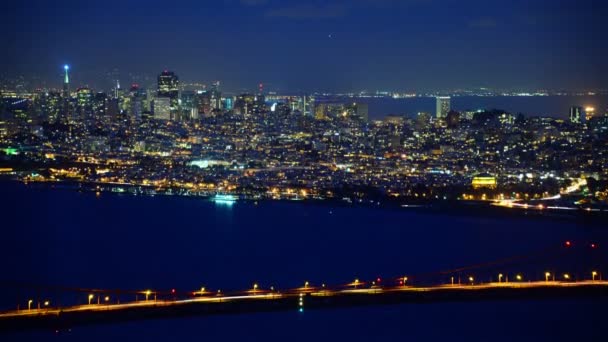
x=298 y=45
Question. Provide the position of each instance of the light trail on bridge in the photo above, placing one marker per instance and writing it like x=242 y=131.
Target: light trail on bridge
x=54 y=318
x=105 y=305
x=293 y=293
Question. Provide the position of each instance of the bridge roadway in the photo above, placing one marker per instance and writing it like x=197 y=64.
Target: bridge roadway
x=300 y=299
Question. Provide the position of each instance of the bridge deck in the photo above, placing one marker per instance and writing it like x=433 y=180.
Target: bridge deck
x=305 y=299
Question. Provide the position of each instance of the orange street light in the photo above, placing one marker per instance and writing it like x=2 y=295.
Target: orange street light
x=91 y=296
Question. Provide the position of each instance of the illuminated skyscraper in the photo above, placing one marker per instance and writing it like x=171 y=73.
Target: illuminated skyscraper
x=320 y=112
x=202 y=100
x=136 y=101
x=162 y=108
x=443 y=107
x=168 y=84
x=168 y=87
x=84 y=103
x=66 y=81
x=228 y=103
x=577 y=115
x=99 y=105
x=306 y=106
x=216 y=95
x=48 y=105
x=66 y=92
x=188 y=104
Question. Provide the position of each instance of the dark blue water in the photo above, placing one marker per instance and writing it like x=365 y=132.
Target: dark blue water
x=550 y=106
x=72 y=239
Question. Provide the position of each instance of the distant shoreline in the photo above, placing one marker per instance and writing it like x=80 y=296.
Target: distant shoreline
x=553 y=105
x=429 y=207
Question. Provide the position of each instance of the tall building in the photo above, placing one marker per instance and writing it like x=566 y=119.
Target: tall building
x=136 y=101
x=66 y=81
x=168 y=84
x=48 y=105
x=577 y=115
x=162 y=108
x=320 y=111
x=168 y=87
x=66 y=92
x=202 y=102
x=443 y=107
x=244 y=104
x=228 y=103
x=308 y=105
x=216 y=95
x=113 y=108
x=100 y=105
x=84 y=103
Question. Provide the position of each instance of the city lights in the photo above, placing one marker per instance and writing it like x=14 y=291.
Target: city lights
x=161 y=160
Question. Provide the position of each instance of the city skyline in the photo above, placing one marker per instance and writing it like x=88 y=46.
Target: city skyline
x=304 y=170
x=21 y=84
x=294 y=46
x=179 y=96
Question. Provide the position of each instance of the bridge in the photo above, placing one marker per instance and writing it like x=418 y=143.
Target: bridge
x=297 y=300
x=97 y=306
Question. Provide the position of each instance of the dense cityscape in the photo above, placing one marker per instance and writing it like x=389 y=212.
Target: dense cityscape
x=303 y=170
x=194 y=140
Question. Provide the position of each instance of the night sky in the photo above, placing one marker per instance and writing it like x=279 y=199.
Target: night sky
x=297 y=45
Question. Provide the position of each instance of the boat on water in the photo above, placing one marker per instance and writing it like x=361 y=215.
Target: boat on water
x=225 y=198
